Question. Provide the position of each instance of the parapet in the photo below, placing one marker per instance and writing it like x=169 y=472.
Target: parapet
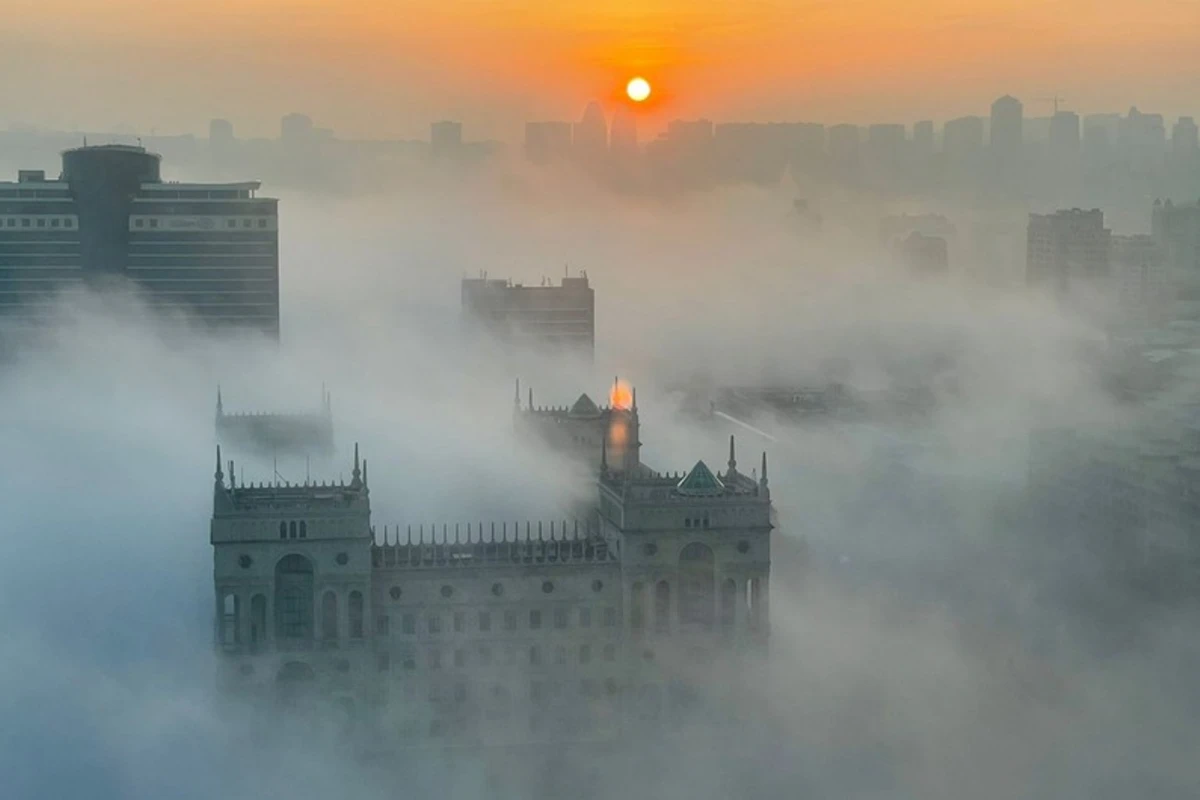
x=497 y=544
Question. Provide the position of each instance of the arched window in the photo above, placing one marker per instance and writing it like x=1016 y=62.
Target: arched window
x=637 y=608
x=282 y=530
x=329 y=616
x=258 y=619
x=303 y=529
x=728 y=604
x=356 y=615
x=230 y=620
x=293 y=598
x=292 y=529
x=752 y=602
x=697 y=587
x=662 y=607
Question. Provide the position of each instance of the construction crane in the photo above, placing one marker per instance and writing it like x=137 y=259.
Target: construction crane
x=1056 y=100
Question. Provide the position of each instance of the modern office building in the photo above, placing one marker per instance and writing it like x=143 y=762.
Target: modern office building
x=923 y=255
x=560 y=316
x=1007 y=130
x=1067 y=246
x=211 y=250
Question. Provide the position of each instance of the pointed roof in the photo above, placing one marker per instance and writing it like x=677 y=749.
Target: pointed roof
x=584 y=407
x=700 y=481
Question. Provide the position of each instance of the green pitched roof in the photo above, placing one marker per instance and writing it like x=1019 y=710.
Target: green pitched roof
x=584 y=407
x=700 y=481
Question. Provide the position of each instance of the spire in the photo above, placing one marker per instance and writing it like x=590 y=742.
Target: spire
x=604 y=454
x=531 y=398
x=218 y=477
x=364 y=474
x=356 y=475
x=220 y=405
x=517 y=395
x=633 y=406
x=763 y=480
x=732 y=458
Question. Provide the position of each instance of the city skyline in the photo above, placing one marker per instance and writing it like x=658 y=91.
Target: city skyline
x=385 y=71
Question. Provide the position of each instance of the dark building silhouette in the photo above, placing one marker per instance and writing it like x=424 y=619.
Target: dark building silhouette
x=445 y=139
x=275 y=434
x=623 y=136
x=210 y=249
x=590 y=140
x=1066 y=247
x=921 y=254
x=1007 y=130
x=561 y=316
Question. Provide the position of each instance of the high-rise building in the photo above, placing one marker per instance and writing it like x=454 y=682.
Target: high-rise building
x=590 y=140
x=296 y=128
x=220 y=133
x=1064 y=134
x=272 y=435
x=445 y=139
x=962 y=140
x=1185 y=141
x=845 y=141
x=1176 y=231
x=561 y=316
x=1067 y=247
x=751 y=152
x=886 y=149
x=547 y=141
x=623 y=137
x=923 y=146
x=1142 y=284
x=1007 y=131
x=211 y=249
x=923 y=255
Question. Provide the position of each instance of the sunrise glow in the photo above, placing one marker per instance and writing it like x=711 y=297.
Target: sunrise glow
x=638 y=90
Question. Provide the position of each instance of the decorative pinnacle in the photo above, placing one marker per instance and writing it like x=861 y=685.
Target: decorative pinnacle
x=218 y=476
x=356 y=475
x=517 y=394
x=763 y=481
x=732 y=458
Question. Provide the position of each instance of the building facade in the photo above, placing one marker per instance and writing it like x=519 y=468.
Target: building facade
x=1067 y=246
x=559 y=316
x=264 y=434
x=497 y=632
x=211 y=250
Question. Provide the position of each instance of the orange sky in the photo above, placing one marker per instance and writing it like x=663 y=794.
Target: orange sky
x=387 y=67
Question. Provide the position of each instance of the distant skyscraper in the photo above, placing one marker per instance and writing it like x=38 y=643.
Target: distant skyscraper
x=1185 y=141
x=886 y=145
x=1064 y=134
x=921 y=254
x=563 y=315
x=844 y=144
x=1066 y=247
x=547 y=141
x=1007 y=129
x=1176 y=228
x=445 y=139
x=220 y=133
x=751 y=152
x=296 y=128
x=590 y=140
x=209 y=248
x=962 y=139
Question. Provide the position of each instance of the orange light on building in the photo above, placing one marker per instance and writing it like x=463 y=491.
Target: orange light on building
x=621 y=396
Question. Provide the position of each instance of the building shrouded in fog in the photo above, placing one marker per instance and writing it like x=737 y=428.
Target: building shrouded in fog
x=1067 y=246
x=211 y=249
x=497 y=632
x=561 y=316
x=273 y=434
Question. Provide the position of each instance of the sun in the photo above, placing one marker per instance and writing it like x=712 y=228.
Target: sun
x=638 y=89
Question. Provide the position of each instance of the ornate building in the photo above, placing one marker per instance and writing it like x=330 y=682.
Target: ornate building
x=499 y=631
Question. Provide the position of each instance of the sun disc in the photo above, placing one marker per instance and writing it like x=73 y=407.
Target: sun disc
x=638 y=89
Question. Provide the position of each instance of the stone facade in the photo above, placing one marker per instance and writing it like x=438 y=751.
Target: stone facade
x=495 y=632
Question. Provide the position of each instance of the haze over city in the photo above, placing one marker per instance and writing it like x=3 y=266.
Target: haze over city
x=660 y=399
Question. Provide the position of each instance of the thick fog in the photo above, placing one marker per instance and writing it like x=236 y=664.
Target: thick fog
x=927 y=639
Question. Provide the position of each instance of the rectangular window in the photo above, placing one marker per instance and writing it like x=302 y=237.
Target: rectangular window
x=510 y=620
x=460 y=621
x=610 y=652
x=410 y=624
x=67 y=223
x=460 y=658
x=535 y=656
x=41 y=223
x=54 y=223
x=610 y=618
x=153 y=223
x=535 y=619
x=435 y=623
x=560 y=617
x=381 y=625
x=585 y=618
x=262 y=223
x=25 y=222
x=485 y=621
x=435 y=659
x=460 y=693
x=139 y=223
x=560 y=655
x=585 y=654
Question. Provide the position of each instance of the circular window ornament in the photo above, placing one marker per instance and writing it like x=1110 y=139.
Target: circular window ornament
x=244 y=561
x=650 y=549
x=597 y=585
x=342 y=559
x=447 y=591
x=547 y=587
x=497 y=589
x=743 y=547
x=395 y=592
